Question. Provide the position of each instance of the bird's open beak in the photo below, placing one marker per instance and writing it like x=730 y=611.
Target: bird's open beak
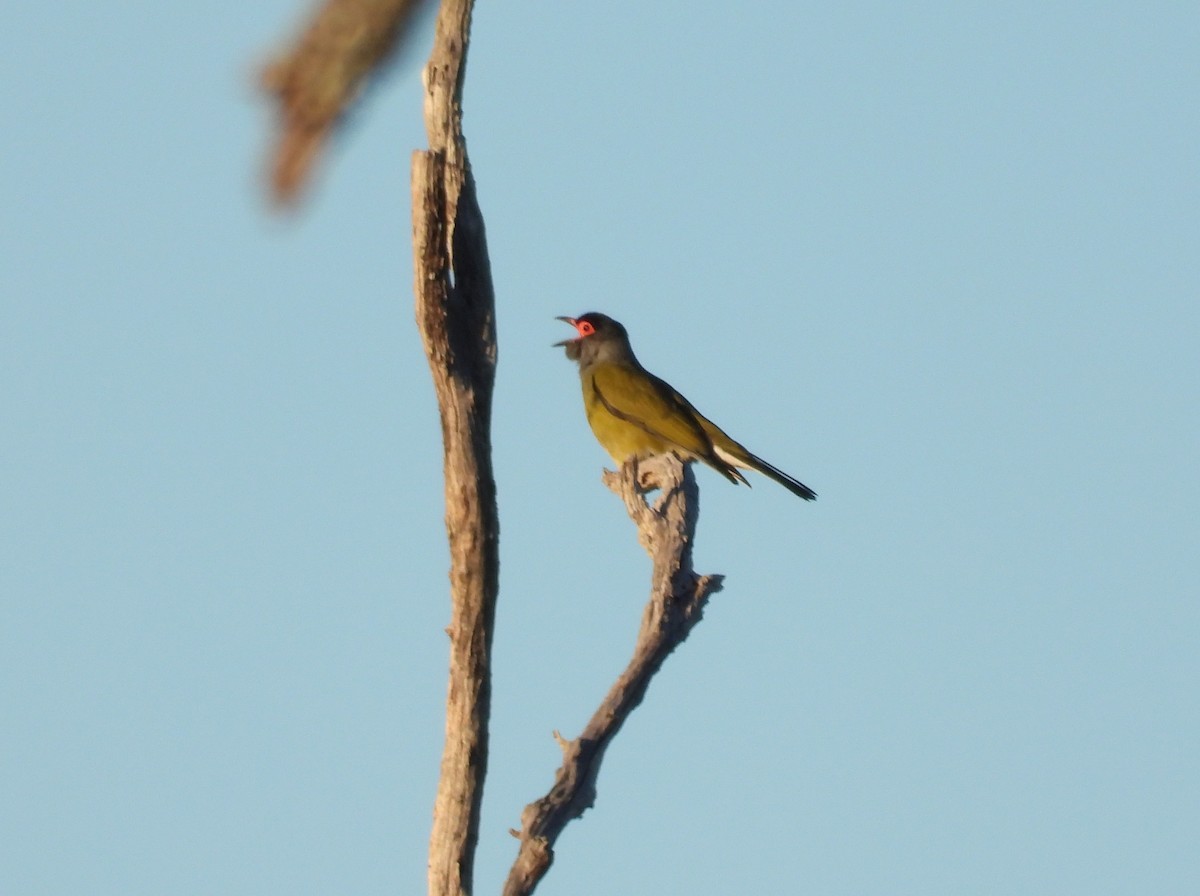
x=566 y=320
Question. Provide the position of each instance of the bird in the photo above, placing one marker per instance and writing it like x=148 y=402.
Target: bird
x=634 y=414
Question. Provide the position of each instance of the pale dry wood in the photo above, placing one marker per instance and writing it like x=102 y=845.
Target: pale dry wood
x=455 y=310
x=678 y=595
x=321 y=74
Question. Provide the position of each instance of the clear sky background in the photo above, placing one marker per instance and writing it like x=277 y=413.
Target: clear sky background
x=940 y=262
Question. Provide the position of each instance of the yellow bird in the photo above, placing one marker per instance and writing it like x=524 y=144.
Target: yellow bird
x=635 y=414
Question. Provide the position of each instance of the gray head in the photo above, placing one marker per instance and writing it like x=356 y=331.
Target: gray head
x=600 y=339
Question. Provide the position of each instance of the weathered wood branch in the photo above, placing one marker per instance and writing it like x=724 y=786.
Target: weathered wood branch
x=320 y=76
x=677 y=599
x=455 y=310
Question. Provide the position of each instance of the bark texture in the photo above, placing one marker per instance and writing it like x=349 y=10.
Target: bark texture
x=678 y=595
x=455 y=310
x=318 y=78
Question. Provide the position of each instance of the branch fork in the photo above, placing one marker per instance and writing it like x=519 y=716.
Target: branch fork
x=666 y=529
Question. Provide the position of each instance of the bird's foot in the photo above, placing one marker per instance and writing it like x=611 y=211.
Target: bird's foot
x=644 y=473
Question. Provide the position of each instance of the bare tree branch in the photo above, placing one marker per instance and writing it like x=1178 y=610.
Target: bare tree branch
x=677 y=599
x=320 y=76
x=455 y=309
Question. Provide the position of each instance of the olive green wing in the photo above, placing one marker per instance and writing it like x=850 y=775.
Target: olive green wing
x=643 y=400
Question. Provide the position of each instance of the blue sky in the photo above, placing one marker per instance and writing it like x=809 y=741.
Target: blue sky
x=938 y=262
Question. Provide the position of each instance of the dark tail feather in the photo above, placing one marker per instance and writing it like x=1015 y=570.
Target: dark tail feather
x=729 y=471
x=795 y=486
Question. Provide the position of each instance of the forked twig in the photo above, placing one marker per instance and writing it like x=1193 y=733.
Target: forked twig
x=666 y=529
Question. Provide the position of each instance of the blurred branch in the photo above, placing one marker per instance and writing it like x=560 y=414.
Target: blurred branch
x=455 y=310
x=321 y=75
x=677 y=599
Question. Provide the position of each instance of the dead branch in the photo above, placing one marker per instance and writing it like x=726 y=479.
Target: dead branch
x=455 y=309
x=319 y=77
x=677 y=599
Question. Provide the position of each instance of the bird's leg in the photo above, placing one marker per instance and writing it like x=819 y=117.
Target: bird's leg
x=630 y=472
x=648 y=478
x=644 y=472
x=639 y=475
